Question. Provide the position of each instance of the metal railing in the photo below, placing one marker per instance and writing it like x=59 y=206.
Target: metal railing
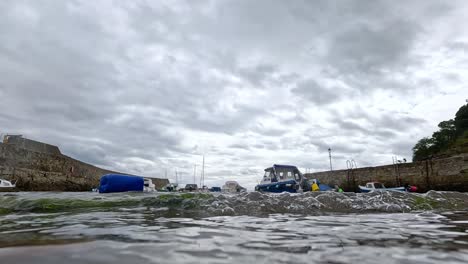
x=350 y=179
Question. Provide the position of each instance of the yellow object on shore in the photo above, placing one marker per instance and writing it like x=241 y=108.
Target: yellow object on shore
x=315 y=187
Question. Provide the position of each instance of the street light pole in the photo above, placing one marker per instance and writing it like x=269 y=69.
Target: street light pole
x=329 y=155
x=203 y=172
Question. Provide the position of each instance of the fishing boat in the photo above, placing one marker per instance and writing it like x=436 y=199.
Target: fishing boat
x=377 y=186
x=283 y=178
x=6 y=185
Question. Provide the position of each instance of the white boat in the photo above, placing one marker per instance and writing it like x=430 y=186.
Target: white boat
x=148 y=185
x=377 y=186
x=282 y=178
x=4 y=184
x=232 y=187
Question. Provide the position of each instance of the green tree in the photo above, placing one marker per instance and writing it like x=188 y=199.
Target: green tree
x=450 y=132
x=445 y=136
x=423 y=149
x=461 y=120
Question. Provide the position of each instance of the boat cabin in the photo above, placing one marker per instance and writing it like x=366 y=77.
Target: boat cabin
x=279 y=173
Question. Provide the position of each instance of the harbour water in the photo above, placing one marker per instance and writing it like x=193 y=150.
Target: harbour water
x=387 y=227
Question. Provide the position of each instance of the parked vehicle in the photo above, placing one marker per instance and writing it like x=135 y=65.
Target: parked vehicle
x=191 y=188
x=215 y=189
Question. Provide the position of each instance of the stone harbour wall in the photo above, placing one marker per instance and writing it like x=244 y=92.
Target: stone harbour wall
x=46 y=171
x=443 y=174
x=20 y=142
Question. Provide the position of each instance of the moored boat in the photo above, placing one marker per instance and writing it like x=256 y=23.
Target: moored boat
x=377 y=186
x=7 y=185
x=283 y=178
x=322 y=187
x=232 y=187
x=148 y=185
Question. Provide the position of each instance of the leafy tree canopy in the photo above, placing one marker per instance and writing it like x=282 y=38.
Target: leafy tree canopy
x=441 y=140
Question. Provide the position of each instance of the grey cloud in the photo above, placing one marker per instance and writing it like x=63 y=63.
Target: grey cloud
x=349 y=125
x=258 y=74
x=312 y=91
x=383 y=127
x=458 y=46
x=343 y=147
x=371 y=48
x=240 y=146
x=273 y=130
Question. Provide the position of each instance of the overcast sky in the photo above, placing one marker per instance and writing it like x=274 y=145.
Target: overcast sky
x=145 y=86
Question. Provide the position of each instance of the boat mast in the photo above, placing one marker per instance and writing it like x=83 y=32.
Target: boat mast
x=203 y=172
x=194 y=173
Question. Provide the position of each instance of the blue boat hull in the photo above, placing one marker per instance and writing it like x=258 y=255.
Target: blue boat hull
x=278 y=187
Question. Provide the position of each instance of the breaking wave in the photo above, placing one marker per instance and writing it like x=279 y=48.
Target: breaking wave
x=251 y=203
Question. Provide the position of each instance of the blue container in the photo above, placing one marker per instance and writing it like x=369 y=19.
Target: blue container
x=120 y=183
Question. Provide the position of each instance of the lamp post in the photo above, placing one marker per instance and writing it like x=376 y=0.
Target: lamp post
x=329 y=155
x=203 y=172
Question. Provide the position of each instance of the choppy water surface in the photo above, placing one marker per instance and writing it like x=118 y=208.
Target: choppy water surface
x=384 y=227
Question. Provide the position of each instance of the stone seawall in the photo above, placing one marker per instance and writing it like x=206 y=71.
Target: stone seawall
x=38 y=171
x=20 y=142
x=444 y=174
